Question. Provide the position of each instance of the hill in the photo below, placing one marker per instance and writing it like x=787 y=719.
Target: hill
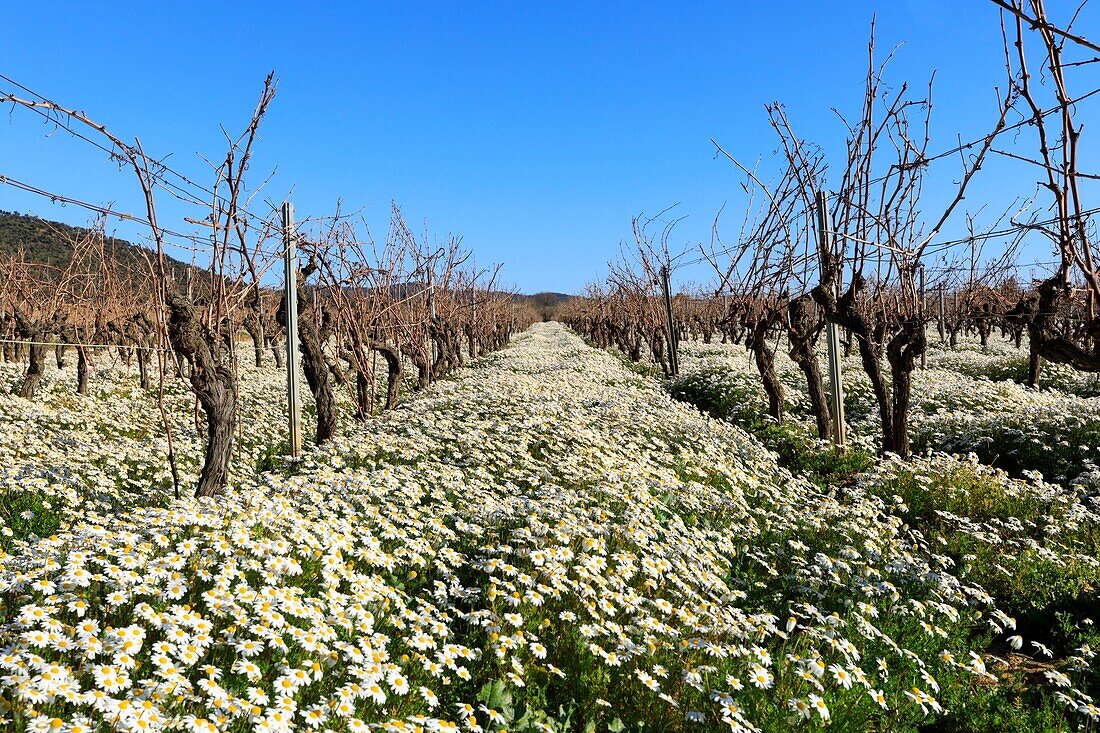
x=548 y=304
x=49 y=242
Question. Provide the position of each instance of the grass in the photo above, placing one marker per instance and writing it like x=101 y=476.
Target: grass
x=26 y=514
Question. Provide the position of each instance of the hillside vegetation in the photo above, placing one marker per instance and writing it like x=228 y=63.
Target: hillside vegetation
x=50 y=242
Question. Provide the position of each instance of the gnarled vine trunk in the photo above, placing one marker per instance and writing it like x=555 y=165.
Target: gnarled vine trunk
x=36 y=367
x=393 y=365
x=764 y=356
x=81 y=370
x=316 y=368
x=211 y=377
x=802 y=331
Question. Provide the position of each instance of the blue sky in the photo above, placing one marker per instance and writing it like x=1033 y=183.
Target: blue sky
x=535 y=131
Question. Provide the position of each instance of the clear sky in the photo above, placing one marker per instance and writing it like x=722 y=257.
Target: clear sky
x=534 y=130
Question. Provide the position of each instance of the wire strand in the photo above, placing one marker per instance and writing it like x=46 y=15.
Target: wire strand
x=115 y=155
x=83 y=345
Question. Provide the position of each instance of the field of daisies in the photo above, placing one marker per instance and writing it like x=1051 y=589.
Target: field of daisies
x=554 y=540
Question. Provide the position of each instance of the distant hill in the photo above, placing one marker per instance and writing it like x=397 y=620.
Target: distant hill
x=548 y=304
x=47 y=242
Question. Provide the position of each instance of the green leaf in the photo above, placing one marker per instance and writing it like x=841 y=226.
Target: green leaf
x=495 y=695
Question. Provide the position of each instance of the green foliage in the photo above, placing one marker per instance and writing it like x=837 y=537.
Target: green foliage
x=998 y=532
x=641 y=368
x=736 y=398
x=739 y=401
x=1004 y=711
x=1052 y=376
x=824 y=464
x=1058 y=448
x=531 y=714
x=415 y=518
x=962 y=488
x=272 y=457
x=1009 y=538
x=26 y=514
